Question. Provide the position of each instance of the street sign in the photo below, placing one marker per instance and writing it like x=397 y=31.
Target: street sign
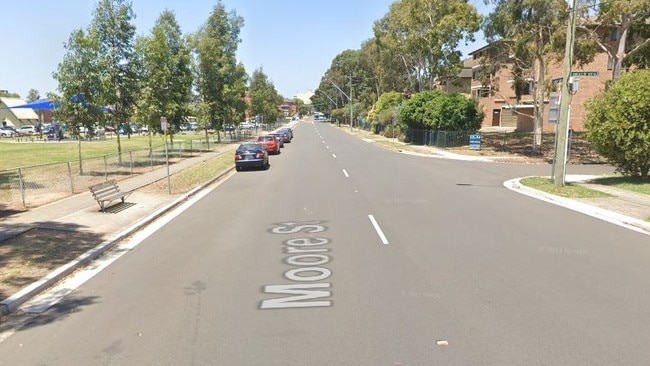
x=584 y=73
x=475 y=142
x=576 y=73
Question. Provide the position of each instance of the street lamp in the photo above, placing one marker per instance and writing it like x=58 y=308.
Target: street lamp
x=347 y=96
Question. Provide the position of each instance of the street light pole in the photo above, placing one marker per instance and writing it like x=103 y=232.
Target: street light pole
x=347 y=96
x=351 y=119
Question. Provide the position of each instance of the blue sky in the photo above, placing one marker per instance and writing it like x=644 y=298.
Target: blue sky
x=293 y=41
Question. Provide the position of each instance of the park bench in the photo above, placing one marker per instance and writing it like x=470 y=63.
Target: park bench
x=107 y=192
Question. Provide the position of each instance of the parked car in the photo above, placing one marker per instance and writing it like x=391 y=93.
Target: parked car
x=247 y=125
x=27 y=130
x=270 y=143
x=285 y=135
x=8 y=131
x=251 y=155
x=282 y=137
x=289 y=132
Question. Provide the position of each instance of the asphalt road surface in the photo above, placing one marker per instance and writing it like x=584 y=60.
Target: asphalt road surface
x=345 y=253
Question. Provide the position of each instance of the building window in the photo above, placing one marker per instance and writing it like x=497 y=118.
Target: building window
x=527 y=88
x=481 y=93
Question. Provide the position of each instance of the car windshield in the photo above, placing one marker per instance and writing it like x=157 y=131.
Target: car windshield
x=265 y=138
x=249 y=147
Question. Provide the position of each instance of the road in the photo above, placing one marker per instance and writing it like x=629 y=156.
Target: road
x=345 y=253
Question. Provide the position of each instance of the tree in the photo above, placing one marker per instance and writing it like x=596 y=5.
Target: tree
x=522 y=35
x=620 y=29
x=33 y=95
x=345 y=85
x=166 y=74
x=78 y=80
x=5 y=93
x=436 y=110
x=264 y=99
x=424 y=35
x=220 y=79
x=386 y=107
x=618 y=123
x=79 y=83
x=117 y=69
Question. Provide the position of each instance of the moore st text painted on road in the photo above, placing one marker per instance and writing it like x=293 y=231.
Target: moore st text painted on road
x=307 y=258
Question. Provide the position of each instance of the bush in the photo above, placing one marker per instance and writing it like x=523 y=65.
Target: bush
x=618 y=123
x=435 y=110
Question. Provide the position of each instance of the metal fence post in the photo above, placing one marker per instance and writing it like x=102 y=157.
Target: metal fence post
x=21 y=184
x=131 y=161
x=105 y=168
x=70 y=177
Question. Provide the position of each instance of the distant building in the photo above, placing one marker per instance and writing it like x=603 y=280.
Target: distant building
x=460 y=83
x=289 y=107
x=16 y=117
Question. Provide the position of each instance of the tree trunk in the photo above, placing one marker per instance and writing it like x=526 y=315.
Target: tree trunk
x=538 y=106
x=620 y=51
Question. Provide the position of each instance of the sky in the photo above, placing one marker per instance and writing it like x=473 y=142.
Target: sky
x=292 y=41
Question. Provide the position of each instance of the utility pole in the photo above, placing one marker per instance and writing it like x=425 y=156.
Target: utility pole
x=559 y=169
x=351 y=102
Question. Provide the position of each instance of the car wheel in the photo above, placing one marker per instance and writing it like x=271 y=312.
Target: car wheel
x=238 y=168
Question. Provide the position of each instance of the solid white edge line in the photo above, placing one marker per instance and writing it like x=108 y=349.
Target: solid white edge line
x=378 y=229
x=346 y=173
x=334 y=156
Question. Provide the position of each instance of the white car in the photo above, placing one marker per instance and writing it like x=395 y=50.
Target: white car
x=7 y=131
x=27 y=130
x=247 y=125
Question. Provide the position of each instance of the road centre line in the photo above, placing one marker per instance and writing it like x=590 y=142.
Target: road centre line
x=346 y=173
x=378 y=230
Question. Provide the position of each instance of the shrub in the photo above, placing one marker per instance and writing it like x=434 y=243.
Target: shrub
x=435 y=110
x=618 y=123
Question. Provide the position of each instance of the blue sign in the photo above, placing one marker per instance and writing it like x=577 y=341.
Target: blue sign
x=475 y=142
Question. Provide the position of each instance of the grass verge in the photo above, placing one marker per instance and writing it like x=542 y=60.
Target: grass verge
x=188 y=179
x=569 y=190
x=635 y=184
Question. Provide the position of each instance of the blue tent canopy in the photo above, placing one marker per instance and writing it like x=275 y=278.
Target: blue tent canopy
x=40 y=104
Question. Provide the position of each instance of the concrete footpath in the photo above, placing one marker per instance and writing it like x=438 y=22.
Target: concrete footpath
x=81 y=212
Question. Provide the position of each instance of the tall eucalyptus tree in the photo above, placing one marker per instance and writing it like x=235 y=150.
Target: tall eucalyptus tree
x=220 y=79
x=166 y=73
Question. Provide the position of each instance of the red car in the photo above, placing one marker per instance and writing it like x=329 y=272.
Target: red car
x=270 y=142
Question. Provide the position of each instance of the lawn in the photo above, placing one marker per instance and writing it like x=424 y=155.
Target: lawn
x=629 y=183
x=569 y=190
x=27 y=153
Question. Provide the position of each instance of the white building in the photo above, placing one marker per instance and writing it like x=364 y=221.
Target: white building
x=16 y=117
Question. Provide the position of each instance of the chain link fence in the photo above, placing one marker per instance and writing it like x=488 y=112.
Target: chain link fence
x=33 y=186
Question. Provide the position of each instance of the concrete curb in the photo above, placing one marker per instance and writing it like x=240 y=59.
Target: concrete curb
x=627 y=222
x=11 y=304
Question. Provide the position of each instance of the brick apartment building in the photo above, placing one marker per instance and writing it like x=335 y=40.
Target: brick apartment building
x=504 y=112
